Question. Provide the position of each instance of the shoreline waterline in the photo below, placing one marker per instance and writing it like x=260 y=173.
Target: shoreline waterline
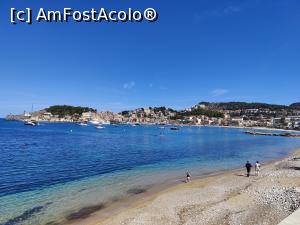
x=168 y=125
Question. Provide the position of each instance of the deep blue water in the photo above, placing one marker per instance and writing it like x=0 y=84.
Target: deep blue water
x=37 y=157
x=53 y=169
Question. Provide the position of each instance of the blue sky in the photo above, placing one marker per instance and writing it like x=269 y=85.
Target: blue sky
x=198 y=50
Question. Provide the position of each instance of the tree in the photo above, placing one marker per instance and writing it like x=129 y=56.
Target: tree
x=67 y=110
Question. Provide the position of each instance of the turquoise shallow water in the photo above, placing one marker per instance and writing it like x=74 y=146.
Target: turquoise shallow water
x=50 y=171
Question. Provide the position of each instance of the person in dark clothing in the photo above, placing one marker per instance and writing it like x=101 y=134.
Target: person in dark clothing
x=248 y=167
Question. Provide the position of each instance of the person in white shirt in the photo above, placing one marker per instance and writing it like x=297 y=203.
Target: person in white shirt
x=257 y=168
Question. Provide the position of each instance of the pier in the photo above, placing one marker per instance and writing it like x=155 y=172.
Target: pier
x=272 y=134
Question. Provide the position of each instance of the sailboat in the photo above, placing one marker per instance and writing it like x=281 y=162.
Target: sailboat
x=29 y=121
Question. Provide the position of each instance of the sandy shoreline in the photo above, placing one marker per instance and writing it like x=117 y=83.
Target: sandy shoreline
x=224 y=198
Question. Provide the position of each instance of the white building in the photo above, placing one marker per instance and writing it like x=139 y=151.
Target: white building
x=88 y=115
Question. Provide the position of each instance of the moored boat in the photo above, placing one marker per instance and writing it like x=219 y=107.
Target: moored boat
x=83 y=124
x=95 y=122
x=31 y=123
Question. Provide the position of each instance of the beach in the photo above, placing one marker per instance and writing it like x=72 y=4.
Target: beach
x=148 y=113
x=227 y=198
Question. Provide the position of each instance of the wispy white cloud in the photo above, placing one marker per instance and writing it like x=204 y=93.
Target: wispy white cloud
x=129 y=85
x=219 y=92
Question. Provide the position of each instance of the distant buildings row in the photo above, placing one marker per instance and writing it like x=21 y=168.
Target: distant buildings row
x=289 y=122
x=281 y=118
x=200 y=114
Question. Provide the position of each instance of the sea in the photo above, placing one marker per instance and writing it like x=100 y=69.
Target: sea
x=58 y=172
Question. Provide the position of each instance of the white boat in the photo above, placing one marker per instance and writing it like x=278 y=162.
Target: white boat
x=100 y=127
x=31 y=123
x=105 y=122
x=95 y=122
x=83 y=124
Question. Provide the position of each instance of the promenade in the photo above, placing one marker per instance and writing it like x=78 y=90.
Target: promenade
x=293 y=219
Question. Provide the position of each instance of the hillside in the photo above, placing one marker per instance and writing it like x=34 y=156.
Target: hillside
x=295 y=106
x=67 y=110
x=242 y=106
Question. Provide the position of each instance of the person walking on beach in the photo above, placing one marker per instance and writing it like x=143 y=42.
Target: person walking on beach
x=248 y=167
x=188 y=177
x=257 y=168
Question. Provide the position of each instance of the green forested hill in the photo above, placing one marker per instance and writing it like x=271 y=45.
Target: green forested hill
x=64 y=110
x=242 y=106
x=295 y=106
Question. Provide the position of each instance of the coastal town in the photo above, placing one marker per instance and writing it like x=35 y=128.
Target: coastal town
x=237 y=114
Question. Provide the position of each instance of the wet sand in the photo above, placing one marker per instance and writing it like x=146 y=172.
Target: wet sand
x=227 y=198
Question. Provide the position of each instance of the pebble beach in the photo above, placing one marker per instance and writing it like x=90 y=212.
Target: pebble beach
x=228 y=198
